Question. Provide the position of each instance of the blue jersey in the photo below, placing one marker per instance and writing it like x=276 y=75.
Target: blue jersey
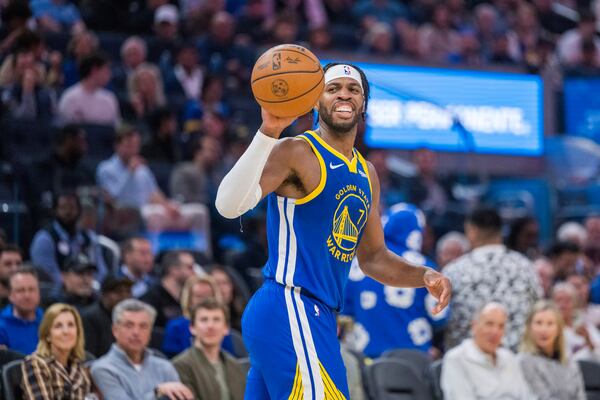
x=313 y=240
x=388 y=317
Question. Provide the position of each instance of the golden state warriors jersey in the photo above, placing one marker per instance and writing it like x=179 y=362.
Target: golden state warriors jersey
x=313 y=240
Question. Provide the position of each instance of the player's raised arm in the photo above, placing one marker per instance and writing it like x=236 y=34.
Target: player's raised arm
x=390 y=269
x=260 y=170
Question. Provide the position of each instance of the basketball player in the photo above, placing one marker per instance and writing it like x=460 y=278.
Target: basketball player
x=322 y=212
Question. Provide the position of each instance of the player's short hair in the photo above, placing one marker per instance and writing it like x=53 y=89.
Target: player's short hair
x=363 y=78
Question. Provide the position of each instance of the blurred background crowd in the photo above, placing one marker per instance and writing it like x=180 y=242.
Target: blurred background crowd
x=119 y=118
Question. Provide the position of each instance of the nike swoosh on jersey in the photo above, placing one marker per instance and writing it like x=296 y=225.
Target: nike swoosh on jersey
x=335 y=166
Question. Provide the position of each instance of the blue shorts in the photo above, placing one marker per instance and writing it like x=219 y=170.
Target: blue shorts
x=293 y=345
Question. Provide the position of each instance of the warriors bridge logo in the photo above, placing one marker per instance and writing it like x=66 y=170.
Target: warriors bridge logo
x=348 y=221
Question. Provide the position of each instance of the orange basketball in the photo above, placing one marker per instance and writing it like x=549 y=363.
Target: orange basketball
x=287 y=80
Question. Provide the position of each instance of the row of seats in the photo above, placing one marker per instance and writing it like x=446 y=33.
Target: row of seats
x=404 y=374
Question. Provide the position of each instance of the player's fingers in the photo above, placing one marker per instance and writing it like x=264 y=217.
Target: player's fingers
x=444 y=298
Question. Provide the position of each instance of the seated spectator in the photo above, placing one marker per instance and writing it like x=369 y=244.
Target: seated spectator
x=569 y=46
x=589 y=63
x=130 y=370
x=582 y=339
x=128 y=182
x=592 y=242
x=15 y=18
x=145 y=90
x=177 y=332
x=438 y=39
x=572 y=232
x=20 y=320
x=545 y=272
x=163 y=146
x=230 y=294
x=176 y=268
x=523 y=237
x=210 y=99
x=371 y=12
x=450 y=247
x=11 y=259
x=407 y=312
x=57 y=16
x=77 y=290
x=222 y=53
x=565 y=257
x=208 y=371
x=133 y=53
x=27 y=97
x=163 y=45
x=26 y=41
x=544 y=357
x=586 y=312
x=479 y=368
x=487 y=273
x=82 y=45
x=97 y=317
x=63 y=170
x=87 y=102
x=379 y=40
x=186 y=77
x=138 y=263
x=194 y=181
x=56 y=369
x=61 y=239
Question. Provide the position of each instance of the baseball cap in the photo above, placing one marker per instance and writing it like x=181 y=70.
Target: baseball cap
x=112 y=282
x=79 y=263
x=166 y=13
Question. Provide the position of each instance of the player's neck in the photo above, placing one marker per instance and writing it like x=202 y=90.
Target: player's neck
x=342 y=142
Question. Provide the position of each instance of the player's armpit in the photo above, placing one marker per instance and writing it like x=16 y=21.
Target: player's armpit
x=281 y=164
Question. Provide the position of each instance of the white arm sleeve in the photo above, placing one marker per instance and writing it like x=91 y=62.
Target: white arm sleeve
x=240 y=190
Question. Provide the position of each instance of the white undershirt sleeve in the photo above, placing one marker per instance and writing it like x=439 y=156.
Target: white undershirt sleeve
x=240 y=190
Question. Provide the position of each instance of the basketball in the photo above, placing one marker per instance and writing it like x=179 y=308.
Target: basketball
x=287 y=80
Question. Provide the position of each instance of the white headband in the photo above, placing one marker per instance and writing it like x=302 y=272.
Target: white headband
x=343 y=71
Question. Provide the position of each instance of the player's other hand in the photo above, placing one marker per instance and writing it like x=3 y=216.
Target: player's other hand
x=440 y=287
x=273 y=126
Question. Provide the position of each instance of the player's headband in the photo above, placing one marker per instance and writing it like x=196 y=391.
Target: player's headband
x=343 y=71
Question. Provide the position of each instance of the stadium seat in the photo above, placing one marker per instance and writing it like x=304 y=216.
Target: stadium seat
x=436 y=375
x=239 y=348
x=244 y=363
x=162 y=173
x=156 y=340
x=418 y=360
x=591 y=378
x=11 y=380
x=24 y=141
x=393 y=379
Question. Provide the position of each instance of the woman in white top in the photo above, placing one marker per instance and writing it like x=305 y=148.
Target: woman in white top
x=544 y=358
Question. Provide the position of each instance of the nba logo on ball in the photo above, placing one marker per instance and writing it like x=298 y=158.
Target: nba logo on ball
x=347 y=70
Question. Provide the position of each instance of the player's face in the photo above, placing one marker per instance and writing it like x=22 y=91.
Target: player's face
x=341 y=104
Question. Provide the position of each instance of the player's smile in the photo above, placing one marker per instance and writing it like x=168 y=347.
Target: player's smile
x=344 y=109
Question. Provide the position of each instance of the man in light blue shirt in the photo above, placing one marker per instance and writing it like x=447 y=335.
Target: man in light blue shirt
x=131 y=371
x=129 y=183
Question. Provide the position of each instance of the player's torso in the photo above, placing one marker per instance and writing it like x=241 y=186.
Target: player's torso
x=313 y=240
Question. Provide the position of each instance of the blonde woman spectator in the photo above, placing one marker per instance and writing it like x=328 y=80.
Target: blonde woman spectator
x=544 y=356
x=177 y=331
x=55 y=371
x=145 y=89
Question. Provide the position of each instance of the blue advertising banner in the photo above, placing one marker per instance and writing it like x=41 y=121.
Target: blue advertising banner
x=582 y=107
x=452 y=110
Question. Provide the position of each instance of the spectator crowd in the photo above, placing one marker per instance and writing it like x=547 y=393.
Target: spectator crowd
x=119 y=118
